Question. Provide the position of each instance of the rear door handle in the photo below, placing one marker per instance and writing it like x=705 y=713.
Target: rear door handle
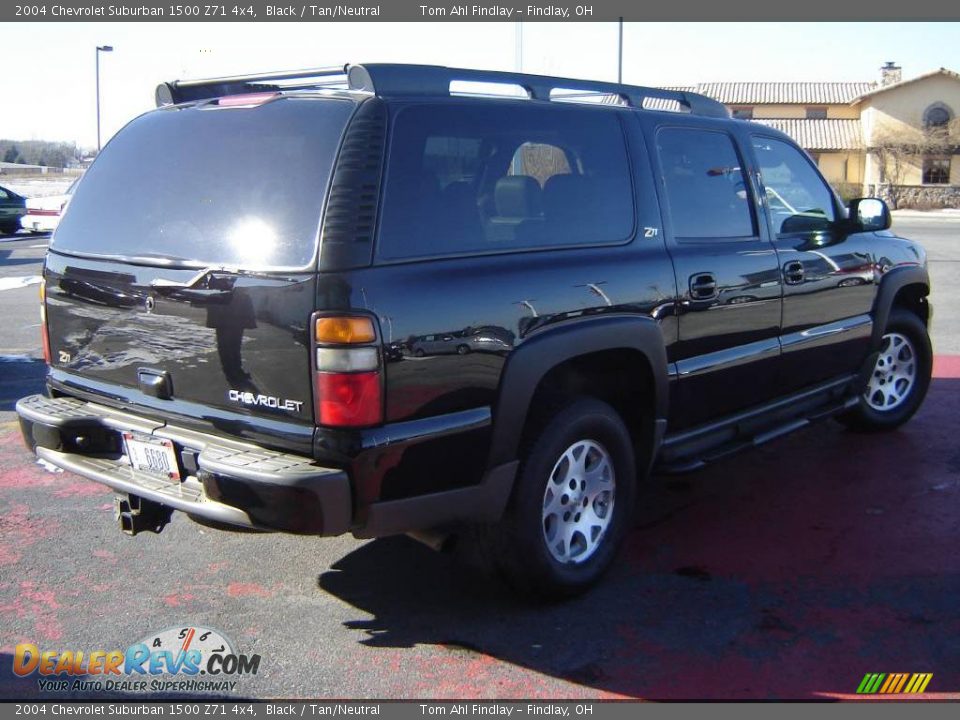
x=793 y=272
x=703 y=286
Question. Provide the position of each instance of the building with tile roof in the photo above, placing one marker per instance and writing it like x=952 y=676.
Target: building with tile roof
x=841 y=124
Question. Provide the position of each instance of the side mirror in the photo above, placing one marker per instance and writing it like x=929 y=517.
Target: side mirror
x=870 y=214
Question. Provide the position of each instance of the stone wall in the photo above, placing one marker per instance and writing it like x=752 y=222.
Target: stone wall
x=921 y=197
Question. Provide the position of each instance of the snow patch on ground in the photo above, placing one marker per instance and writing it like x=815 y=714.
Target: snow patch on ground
x=9 y=283
x=38 y=187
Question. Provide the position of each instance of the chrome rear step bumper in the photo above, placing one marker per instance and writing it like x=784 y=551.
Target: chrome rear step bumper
x=224 y=481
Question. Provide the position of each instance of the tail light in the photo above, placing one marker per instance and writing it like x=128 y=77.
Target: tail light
x=45 y=336
x=45 y=212
x=347 y=378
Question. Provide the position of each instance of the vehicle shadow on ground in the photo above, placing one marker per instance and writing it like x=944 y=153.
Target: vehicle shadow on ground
x=7 y=261
x=42 y=235
x=19 y=377
x=787 y=572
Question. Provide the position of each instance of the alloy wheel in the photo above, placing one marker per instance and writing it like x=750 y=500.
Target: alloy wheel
x=578 y=502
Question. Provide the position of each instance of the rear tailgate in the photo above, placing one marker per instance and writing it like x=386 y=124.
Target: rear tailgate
x=237 y=342
x=183 y=270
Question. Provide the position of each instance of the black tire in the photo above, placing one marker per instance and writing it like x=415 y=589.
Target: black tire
x=518 y=545
x=866 y=418
x=9 y=229
x=462 y=349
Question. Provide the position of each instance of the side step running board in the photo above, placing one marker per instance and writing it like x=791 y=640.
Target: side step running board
x=743 y=442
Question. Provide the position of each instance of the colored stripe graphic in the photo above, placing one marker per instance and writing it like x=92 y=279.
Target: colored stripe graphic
x=894 y=683
x=892 y=679
x=899 y=686
x=870 y=683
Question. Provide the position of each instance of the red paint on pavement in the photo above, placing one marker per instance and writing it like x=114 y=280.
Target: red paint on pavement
x=38 y=606
x=946 y=366
x=105 y=555
x=784 y=572
x=19 y=529
x=242 y=589
x=177 y=599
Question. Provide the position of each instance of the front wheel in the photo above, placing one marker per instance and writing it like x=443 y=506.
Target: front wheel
x=572 y=502
x=899 y=379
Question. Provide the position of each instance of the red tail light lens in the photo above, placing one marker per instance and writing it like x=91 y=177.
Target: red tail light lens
x=348 y=399
x=347 y=382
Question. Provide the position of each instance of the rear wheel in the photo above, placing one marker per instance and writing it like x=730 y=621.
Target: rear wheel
x=572 y=502
x=900 y=376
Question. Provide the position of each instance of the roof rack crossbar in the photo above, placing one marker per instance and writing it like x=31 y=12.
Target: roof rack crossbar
x=398 y=80
x=395 y=80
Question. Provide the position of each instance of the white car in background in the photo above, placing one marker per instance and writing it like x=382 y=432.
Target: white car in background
x=43 y=213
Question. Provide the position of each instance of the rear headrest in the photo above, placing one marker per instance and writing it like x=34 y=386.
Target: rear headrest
x=518 y=196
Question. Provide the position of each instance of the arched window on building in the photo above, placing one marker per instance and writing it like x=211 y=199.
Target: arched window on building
x=937 y=117
x=936 y=165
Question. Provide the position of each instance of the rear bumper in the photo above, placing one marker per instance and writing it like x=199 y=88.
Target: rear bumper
x=223 y=481
x=39 y=223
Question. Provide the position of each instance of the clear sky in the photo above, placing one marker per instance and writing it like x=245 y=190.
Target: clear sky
x=47 y=87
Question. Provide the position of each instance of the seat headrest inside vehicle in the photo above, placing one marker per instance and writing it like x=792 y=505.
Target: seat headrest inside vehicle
x=518 y=196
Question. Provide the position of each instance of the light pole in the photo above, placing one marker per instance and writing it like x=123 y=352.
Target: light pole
x=620 y=51
x=100 y=49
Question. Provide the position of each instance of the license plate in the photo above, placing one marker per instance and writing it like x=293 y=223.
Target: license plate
x=152 y=455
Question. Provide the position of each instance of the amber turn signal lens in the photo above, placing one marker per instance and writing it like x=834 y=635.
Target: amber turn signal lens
x=344 y=330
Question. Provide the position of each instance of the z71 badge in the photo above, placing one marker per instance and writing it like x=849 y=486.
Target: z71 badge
x=249 y=398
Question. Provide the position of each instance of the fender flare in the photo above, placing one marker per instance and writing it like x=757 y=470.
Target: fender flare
x=542 y=352
x=891 y=283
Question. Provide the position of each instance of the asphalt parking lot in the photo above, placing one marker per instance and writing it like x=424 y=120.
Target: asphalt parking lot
x=787 y=572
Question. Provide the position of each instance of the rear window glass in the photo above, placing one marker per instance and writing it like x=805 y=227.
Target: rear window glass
x=473 y=178
x=218 y=186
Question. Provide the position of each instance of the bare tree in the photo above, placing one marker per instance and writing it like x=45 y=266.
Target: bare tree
x=897 y=150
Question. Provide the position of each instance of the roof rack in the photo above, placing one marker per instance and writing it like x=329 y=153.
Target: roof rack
x=395 y=80
x=180 y=91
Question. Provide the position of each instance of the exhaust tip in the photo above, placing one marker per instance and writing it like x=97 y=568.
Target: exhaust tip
x=441 y=542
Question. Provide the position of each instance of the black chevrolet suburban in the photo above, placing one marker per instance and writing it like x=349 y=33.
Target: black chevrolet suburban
x=387 y=298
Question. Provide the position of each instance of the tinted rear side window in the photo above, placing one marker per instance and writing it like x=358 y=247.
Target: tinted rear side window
x=234 y=186
x=473 y=178
x=706 y=187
